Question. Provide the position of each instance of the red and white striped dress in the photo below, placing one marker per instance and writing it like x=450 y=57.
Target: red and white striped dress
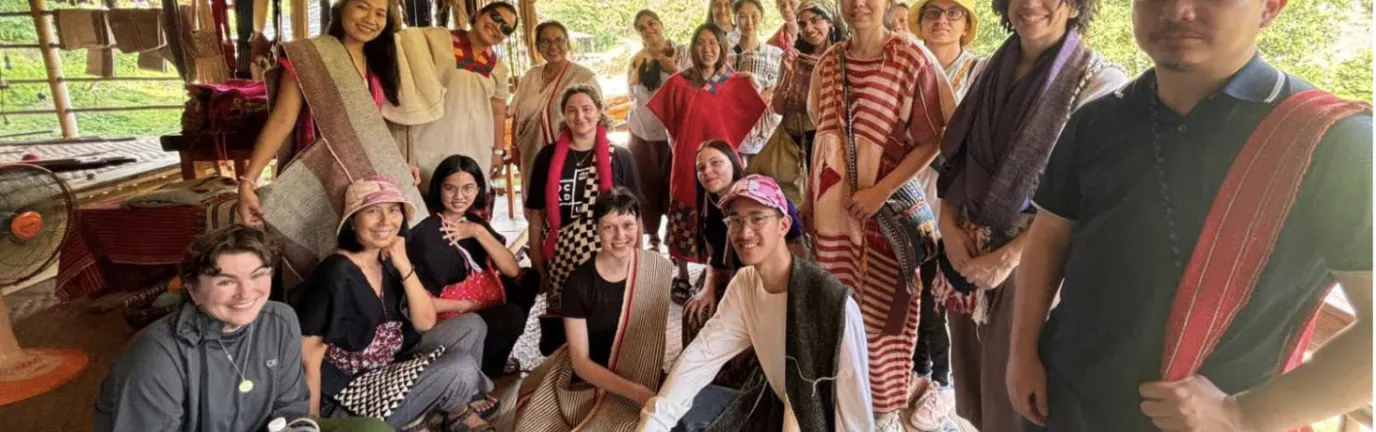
x=896 y=105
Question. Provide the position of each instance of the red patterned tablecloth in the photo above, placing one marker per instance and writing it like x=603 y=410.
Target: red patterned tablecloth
x=115 y=248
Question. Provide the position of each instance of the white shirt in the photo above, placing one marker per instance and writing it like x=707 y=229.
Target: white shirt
x=750 y=316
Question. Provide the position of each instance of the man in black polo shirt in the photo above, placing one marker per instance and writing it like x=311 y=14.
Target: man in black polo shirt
x=1121 y=206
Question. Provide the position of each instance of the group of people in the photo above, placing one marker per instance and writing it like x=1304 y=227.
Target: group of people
x=894 y=228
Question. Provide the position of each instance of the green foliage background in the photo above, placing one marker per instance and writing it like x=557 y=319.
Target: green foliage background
x=28 y=64
x=1327 y=42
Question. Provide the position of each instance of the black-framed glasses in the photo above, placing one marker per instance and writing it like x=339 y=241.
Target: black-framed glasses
x=932 y=13
x=496 y=17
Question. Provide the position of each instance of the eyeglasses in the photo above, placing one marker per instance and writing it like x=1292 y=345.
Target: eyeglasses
x=465 y=190
x=932 y=13
x=552 y=42
x=753 y=221
x=496 y=17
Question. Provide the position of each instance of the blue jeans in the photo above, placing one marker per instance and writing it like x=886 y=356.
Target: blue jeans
x=708 y=404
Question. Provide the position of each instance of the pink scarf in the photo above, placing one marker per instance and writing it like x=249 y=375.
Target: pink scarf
x=556 y=164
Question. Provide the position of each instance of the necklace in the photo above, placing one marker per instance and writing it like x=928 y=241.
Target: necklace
x=245 y=385
x=582 y=160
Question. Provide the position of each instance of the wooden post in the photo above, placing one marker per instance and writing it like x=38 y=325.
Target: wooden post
x=53 y=63
x=300 y=20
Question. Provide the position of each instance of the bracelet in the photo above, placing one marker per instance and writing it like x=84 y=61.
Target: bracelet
x=244 y=180
x=408 y=275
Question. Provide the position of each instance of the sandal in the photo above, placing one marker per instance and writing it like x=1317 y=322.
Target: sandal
x=682 y=290
x=493 y=405
x=513 y=367
x=456 y=422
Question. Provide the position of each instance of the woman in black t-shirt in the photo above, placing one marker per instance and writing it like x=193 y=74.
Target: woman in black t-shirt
x=568 y=177
x=465 y=264
x=615 y=310
x=362 y=312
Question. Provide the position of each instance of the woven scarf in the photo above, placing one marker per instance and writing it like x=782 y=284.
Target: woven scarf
x=999 y=140
x=307 y=199
x=556 y=167
x=814 y=325
x=548 y=128
x=548 y=400
x=470 y=59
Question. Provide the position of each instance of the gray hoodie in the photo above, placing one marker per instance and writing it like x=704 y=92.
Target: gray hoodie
x=174 y=375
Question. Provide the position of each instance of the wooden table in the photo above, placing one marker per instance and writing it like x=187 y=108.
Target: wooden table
x=236 y=148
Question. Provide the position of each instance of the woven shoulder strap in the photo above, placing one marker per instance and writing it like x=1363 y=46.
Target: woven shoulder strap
x=1243 y=225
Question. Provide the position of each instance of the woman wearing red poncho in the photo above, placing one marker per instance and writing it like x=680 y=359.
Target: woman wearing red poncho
x=697 y=105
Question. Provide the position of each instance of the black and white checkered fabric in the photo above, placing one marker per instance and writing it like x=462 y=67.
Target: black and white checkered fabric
x=577 y=243
x=377 y=393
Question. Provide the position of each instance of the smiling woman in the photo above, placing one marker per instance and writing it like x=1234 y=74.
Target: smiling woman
x=352 y=71
x=568 y=176
x=475 y=98
x=536 y=112
x=362 y=312
x=231 y=333
x=614 y=312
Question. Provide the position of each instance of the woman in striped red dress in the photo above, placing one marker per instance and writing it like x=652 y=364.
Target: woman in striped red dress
x=896 y=105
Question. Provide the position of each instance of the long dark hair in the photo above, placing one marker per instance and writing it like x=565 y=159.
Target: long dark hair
x=380 y=53
x=705 y=199
x=450 y=166
x=694 y=73
x=737 y=168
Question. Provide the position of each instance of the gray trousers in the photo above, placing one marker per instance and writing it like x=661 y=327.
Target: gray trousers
x=449 y=382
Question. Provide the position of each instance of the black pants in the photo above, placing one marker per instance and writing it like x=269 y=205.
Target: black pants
x=506 y=322
x=933 y=351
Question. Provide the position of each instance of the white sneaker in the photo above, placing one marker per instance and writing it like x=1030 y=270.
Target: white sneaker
x=933 y=408
x=889 y=422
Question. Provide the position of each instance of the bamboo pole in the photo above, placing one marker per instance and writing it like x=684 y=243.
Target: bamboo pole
x=53 y=64
x=300 y=20
x=95 y=109
x=25 y=46
x=92 y=79
x=22 y=14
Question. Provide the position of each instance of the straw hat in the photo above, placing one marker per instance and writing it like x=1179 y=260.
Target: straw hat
x=373 y=189
x=971 y=30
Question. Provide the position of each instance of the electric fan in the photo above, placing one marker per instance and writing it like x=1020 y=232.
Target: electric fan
x=37 y=210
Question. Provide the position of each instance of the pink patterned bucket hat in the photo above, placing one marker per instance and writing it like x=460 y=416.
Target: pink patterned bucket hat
x=369 y=190
x=758 y=188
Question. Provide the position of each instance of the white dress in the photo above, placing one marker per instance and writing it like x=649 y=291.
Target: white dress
x=466 y=128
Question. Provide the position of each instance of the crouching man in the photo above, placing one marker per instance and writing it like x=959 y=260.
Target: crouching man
x=802 y=323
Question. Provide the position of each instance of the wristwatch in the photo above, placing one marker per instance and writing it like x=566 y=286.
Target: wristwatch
x=499 y=152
